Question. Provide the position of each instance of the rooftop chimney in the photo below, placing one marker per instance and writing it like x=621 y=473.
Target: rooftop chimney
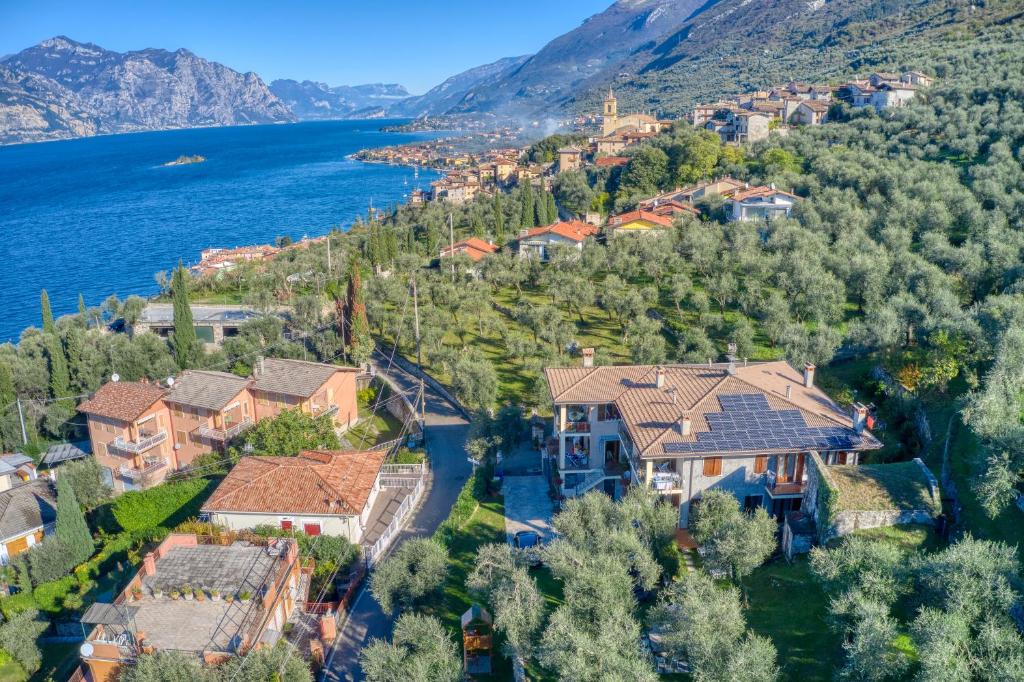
x=809 y=375
x=860 y=417
x=588 y=357
x=258 y=367
x=685 y=425
x=789 y=391
x=659 y=378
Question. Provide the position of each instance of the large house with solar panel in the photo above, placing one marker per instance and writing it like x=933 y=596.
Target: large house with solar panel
x=748 y=428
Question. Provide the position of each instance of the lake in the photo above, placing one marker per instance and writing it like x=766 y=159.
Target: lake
x=102 y=215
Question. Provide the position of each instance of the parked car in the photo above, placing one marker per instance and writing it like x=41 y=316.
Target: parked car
x=528 y=542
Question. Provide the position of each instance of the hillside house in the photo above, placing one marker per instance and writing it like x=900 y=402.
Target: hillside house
x=262 y=577
x=538 y=241
x=315 y=388
x=683 y=429
x=15 y=469
x=139 y=432
x=318 y=493
x=130 y=432
x=570 y=159
x=739 y=126
x=760 y=203
x=475 y=248
x=638 y=222
x=810 y=113
x=213 y=323
x=723 y=187
x=28 y=513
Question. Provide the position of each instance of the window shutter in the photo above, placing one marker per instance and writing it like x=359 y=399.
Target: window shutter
x=712 y=466
x=760 y=464
x=286 y=524
x=311 y=528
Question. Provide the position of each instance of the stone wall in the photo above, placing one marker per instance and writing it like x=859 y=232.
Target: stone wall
x=848 y=521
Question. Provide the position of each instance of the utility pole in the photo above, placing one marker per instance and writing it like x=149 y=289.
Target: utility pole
x=419 y=362
x=21 y=418
x=328 y=254
x=451 y=242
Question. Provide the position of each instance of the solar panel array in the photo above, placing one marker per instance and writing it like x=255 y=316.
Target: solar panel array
x=748 y=422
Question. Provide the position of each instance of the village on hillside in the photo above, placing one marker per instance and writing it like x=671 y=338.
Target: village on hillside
x=485 y=437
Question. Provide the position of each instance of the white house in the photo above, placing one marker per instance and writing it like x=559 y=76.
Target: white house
x=760 y=203
x=317 y=493
x=536 y=242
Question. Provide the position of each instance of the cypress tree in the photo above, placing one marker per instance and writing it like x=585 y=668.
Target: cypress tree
x=60 y=377
x=82 y=310
x=72 y=530
x=184 y=341
x=542 y=210
x=528 y=211
x=44 y=304
x=10 y=435
x=552 y=208
x=499 y=219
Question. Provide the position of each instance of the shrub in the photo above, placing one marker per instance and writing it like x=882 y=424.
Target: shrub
x=18 y=637
x=86 y=479
x=17 y=603
x=50 y=596
x=48 y=561
x=165 y=505
x=417 y=568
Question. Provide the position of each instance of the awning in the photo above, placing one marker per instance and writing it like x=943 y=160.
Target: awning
x=110 y=614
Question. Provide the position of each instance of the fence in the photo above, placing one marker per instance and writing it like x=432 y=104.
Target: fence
x=378 y=548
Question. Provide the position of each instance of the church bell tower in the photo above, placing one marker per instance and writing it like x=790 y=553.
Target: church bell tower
x=611 y=113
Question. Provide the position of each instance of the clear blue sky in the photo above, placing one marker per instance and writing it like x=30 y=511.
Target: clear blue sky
x=417 y=43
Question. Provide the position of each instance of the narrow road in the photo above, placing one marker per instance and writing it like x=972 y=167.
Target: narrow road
x=446 y=440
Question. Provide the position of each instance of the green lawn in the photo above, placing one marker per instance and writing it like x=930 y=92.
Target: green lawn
x=373 y=428
x=12 y=672
x=788 y=606
x=487 y=525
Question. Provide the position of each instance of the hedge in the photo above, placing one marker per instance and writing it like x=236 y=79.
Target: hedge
x=49 y=597
x=166 y=505
x=16 y=603
x=472 y=494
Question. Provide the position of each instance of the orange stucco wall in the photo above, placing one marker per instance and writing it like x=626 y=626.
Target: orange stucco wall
x=103 y=431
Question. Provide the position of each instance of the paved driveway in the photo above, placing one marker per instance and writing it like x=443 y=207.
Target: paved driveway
x=527 y=505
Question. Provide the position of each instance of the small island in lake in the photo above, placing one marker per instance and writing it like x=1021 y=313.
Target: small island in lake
x=184 y=160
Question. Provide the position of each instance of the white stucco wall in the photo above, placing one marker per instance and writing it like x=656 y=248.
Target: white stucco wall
x=346 y=526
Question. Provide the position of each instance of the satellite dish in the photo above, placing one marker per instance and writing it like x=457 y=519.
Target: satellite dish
x=85 y=650
x=115 y=377
x=170 y=381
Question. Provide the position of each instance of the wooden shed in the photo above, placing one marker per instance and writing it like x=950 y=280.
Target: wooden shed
x=477 y=640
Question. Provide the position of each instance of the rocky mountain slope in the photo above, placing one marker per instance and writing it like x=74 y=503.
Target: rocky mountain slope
x=62 y=88
x=310 y=100
x=453 y=92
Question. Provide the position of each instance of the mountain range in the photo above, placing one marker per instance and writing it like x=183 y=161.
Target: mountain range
x=659 y=55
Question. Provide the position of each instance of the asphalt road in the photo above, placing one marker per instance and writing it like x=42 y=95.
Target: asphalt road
x=446 y=431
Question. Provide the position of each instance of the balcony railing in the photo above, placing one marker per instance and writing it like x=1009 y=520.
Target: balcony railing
x=225 y=434
x=149 y=466
x=665 y=480
x=146 y=441
x=320 y=410
x=577 y=427
x=777 y=488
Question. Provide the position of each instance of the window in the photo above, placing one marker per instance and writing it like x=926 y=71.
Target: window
x=107 y=474
x=760 y=464
x=607 y=413
x=311 y=528
x=752 y=502
x=101 y=449
x=712 y=466
x=179 y=437
x=286 y=524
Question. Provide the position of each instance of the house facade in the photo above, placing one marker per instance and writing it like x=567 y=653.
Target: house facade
x=538 y=242
x=317 y=493
x=142 y=432
x=638 y=222
x=213 y=323
x=683 y=429
x=760 y=203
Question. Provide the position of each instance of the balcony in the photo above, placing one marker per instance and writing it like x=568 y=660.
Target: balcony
x=146 y=441
x=777 y=488
x=665 y=480
x=149 y=466
x=225 y=434
x=320 y=410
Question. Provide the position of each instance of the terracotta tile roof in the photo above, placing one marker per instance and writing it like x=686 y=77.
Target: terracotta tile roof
x=673 y=207
x=122 y=400
x=816 y=105
x=640 y=216
x=730 y=412
x=474 y=247
x=611 y=161
x=317 y=482
x=209 y=390
x=761 y=191
x=294 y=377
x=575 y=230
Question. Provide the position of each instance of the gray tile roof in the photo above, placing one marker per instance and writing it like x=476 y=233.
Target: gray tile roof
x=293 y=377
x=209 y=390
x=27 y=507
x=10 y=463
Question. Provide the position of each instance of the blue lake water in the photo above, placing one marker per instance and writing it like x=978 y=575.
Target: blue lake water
x=101 y=215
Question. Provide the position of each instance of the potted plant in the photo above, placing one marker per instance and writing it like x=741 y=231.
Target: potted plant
x=136 y=592
x=186 y=592
x=200 y=594
x=245 y=596
x=175 y=595
x=215 y=595
x=158 y=592
x=229 y=597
